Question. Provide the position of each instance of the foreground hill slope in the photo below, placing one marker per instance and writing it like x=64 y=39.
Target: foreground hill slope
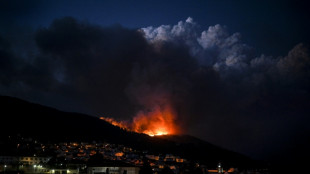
x=19 y=117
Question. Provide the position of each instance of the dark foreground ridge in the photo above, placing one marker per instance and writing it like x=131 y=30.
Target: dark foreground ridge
x=19 y=117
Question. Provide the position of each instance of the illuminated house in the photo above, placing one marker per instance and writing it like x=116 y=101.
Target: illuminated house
x=25 y=164
x=31 y=160
x=179 y=160
x=169 y=157
x=152 y=157
x=64 y=171
x=111 y=167
x=113 y=170
x=34 y=160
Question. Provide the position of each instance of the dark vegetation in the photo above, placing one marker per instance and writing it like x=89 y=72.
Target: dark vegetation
x=50 y=125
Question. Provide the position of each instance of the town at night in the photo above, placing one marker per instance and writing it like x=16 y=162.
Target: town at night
x=154 y=87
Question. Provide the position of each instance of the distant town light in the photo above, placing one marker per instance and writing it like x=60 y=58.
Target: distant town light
x=5 y=166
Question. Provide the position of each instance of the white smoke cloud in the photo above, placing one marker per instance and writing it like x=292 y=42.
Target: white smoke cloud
x=225 y=52
x=182 y=31
x=296 y=62
x=157 y=34
x=212 y=47
x=214 y=36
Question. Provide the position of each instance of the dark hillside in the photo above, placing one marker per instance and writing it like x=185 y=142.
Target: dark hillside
x=50 y=125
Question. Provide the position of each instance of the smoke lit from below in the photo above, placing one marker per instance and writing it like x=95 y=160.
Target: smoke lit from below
x=160 y=120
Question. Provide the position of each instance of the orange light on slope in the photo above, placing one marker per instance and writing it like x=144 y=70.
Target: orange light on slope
x=120 y=124
x=159 y=121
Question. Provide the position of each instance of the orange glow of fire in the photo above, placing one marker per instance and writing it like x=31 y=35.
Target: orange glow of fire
x=158 y=121
x=120 y=124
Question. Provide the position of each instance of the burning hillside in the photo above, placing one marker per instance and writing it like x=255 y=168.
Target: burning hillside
x=158 y=121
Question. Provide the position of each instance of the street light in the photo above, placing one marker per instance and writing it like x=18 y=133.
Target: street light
x=4 y=169
x=34 y=168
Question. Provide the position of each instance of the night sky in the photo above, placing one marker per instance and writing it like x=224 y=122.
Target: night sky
x=237 y=73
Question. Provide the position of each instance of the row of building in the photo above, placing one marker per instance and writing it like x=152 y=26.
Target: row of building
x=72 y=158
x=39 y=165
x=24 y=160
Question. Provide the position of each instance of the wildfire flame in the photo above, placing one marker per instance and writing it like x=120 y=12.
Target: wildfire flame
x=158 y=121
x=120 y=124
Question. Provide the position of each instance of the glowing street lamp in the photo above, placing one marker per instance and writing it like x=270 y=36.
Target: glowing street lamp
x=5 y=166
x=34 y=168
x=220 y=168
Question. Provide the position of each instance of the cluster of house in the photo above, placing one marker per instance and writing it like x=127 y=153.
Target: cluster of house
x=39 y=165
x=73 y=157
x=84 y=151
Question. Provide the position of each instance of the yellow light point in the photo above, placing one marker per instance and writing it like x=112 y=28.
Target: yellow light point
x=161 y=133
x=152 y=134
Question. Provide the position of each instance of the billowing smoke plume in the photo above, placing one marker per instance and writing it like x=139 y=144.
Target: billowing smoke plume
x=205 y=82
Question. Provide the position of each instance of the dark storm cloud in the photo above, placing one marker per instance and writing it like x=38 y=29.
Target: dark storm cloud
x=94 y=63
x=219 y=88
x=113 y=67
x=259 y=98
